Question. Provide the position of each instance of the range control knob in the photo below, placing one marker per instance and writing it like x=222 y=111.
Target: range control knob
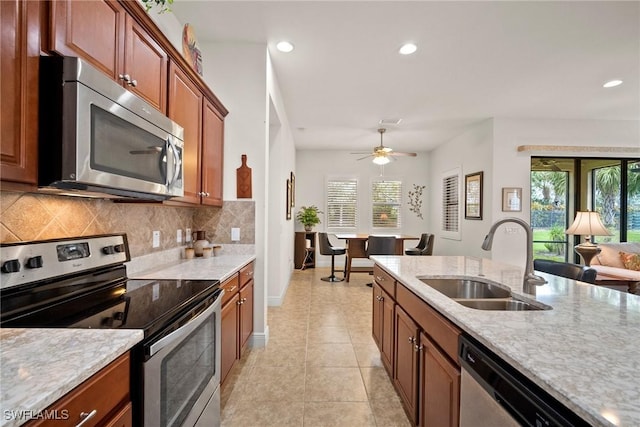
x=118 y=248
x=11 y=266
x=34 y=262
x=108 y=250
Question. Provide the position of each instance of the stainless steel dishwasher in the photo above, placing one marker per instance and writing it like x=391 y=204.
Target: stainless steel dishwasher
x=493 y=393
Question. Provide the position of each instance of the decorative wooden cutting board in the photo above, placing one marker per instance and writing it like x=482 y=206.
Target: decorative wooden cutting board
x=243 y=180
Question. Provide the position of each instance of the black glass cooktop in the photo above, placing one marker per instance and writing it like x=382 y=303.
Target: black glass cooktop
x=103 y=300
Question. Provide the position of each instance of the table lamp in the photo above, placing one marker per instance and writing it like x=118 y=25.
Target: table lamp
x=587 y=224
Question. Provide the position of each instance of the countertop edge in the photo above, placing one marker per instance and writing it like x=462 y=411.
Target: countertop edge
x=32 y=385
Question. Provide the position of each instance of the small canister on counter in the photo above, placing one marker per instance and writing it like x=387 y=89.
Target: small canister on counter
x=206 y=252
x=189 y=253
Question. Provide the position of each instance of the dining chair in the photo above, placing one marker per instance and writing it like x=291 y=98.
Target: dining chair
x=424 y=247
x=380 y=245
x=566 y=269
x=327 y=249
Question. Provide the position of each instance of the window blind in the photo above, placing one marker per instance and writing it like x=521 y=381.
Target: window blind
x=450 y=204
x=342 y=203
x=386 y=197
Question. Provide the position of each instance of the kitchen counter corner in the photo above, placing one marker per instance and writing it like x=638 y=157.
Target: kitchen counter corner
x=39 y=366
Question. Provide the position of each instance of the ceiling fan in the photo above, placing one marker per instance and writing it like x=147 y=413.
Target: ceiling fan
x=381 y=154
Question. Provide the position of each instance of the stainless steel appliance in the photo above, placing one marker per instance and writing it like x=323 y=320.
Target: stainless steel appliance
x=82 y=283
x=493 y=393
x=98 y=138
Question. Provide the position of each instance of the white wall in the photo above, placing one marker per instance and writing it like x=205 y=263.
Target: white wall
x=282 y=156
x=472 y=152
x=512 y=168
x=315 y=166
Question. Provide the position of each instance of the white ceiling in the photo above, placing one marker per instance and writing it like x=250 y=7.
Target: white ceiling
x=475 y=60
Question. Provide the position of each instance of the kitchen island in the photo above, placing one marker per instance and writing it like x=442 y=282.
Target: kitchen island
x=583 y=351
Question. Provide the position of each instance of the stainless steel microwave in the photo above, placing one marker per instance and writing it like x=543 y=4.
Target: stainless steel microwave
x=99 y=139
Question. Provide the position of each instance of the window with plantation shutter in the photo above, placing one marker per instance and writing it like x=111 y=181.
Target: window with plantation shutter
x=386 y=200
x=451 y=204
x=342 y=203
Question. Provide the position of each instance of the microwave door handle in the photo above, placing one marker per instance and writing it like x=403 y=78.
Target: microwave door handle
x=177 y=164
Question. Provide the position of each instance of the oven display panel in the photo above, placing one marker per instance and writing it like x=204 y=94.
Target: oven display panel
x=73 y=251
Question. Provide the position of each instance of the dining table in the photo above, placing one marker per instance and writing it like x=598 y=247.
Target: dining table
x=357 y=248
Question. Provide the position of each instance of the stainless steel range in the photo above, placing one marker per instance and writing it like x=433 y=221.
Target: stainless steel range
x=82 y=283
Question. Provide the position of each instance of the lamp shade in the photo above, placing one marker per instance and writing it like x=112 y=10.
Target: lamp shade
x=380 y=160
x=588 y=224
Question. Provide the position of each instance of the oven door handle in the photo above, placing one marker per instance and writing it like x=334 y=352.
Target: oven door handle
x=187 y=328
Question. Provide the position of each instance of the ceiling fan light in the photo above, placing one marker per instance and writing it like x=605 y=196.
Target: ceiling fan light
x=408 y=49
x=612 y=83
x=284 y=46
x=381 y=160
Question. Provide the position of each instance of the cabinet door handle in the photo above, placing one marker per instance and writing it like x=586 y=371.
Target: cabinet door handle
x=244 y=300
x=418 y=349
x=239 y=302
x=86 y=416
x=411 y=339
x=133 y=83
x=380 y=279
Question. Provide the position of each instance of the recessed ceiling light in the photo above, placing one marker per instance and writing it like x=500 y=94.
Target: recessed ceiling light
x=408 y=49
x=284 y=46
x=612 y=83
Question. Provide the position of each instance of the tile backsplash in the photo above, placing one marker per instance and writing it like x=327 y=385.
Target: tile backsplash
x=27 y=216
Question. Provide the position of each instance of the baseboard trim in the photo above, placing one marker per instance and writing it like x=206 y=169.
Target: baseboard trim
x=260 y=339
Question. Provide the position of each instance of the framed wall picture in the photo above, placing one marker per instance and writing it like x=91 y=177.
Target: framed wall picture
x=511 y=199
x=473 y=196
x=293 y=189
x=288 y=197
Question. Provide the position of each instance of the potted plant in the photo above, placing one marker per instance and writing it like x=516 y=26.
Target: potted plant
x=308 y=216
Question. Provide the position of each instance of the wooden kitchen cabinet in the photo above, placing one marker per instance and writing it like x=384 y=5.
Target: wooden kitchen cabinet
x=383 y=329
x=19 y=91
x=236 y=317
x=424 y=359
x=203 y=123
x=246 y=306
x=103 y=33
x=229 y=326
x=106 y=393
x=212 y=154
x=405 y=372
x=185 y=108
x=439 y=386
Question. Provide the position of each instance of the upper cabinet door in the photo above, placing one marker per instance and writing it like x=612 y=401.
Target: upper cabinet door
x=212 y=155
x=20 y=44
x=92 y=30
x=185 y=108
x=146 y=64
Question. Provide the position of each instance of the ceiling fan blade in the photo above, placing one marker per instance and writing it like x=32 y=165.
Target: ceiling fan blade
x=397 y=153
x=362 y=158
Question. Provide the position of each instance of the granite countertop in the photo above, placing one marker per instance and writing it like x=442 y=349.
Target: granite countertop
x=584 y=352
x=39 y=366
x=218 y=267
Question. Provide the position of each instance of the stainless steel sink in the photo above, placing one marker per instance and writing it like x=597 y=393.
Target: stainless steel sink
x=467 y=288
x=501 y=305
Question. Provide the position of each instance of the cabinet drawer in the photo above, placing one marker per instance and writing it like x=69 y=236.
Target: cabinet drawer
x=443 y=332
x=246 y=274
x=231 y=288
x=385 y=280
x=104 y=392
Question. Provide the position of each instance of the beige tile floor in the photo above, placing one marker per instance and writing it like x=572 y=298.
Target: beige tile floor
x=321 y=366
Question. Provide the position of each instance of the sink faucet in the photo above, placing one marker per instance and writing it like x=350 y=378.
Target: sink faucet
x=530 y=280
